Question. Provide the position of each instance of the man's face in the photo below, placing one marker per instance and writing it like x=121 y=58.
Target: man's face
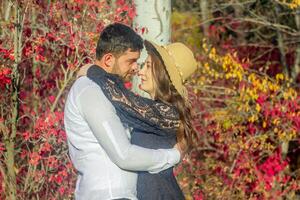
x=126 y=65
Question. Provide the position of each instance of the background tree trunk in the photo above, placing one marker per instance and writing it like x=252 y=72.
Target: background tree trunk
x=204 y=16
x=296 y=70
x=153 y=22
x=11 y=186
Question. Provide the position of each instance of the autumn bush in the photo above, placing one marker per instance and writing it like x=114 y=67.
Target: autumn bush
x=246 y=119
x=42 y=44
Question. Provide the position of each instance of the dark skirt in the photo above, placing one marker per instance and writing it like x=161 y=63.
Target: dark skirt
x=163 y=185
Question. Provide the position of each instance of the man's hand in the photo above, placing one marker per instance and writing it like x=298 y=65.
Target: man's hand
x=83 y=70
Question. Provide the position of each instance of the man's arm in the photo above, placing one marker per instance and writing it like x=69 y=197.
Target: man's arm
x=111 y=135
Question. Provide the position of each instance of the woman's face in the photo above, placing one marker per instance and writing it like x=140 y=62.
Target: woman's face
x=147 y=80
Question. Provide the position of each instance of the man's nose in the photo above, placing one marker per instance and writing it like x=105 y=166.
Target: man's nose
x=135 y=68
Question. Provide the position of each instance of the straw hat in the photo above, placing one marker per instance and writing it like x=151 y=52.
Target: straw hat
x=179 y=61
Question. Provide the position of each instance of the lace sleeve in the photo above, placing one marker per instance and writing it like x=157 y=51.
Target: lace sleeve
x=136 y=111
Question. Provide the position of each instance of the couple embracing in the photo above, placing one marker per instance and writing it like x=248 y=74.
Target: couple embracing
x=124 y=146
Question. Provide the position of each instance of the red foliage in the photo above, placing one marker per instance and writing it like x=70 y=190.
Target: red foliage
x=61 y=38
x=5 y=78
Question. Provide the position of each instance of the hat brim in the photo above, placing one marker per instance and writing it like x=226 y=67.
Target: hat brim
x=171 y=68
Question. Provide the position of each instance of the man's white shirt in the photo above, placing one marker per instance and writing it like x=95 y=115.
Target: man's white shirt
x=100 y=149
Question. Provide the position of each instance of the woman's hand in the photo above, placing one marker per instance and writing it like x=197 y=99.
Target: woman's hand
x=83 y=70
x=181 y=146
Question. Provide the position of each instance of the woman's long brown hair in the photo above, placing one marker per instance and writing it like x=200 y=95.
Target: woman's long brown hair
x=166 y=92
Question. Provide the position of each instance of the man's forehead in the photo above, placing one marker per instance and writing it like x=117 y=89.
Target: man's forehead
x=132 y=53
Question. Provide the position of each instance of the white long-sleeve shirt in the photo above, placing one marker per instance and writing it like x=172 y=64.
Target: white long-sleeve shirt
x=100 y=149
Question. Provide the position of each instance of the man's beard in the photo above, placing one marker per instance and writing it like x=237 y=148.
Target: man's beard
x=125 y=77
x=128 y=78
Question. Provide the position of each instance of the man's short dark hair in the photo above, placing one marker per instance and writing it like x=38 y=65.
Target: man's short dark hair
x=116 y=39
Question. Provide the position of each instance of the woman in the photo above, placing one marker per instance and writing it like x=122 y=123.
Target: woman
x=161 y=79
x=159 y=122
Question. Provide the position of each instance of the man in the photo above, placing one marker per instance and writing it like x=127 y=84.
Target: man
x=99 y=146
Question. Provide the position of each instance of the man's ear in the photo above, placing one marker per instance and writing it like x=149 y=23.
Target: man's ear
x=109 y=60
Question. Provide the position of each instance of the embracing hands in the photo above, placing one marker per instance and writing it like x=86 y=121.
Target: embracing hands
x=83 y=70
x=182 y=147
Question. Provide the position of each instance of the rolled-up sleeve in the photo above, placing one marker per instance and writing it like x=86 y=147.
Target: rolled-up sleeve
x=111 y=135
